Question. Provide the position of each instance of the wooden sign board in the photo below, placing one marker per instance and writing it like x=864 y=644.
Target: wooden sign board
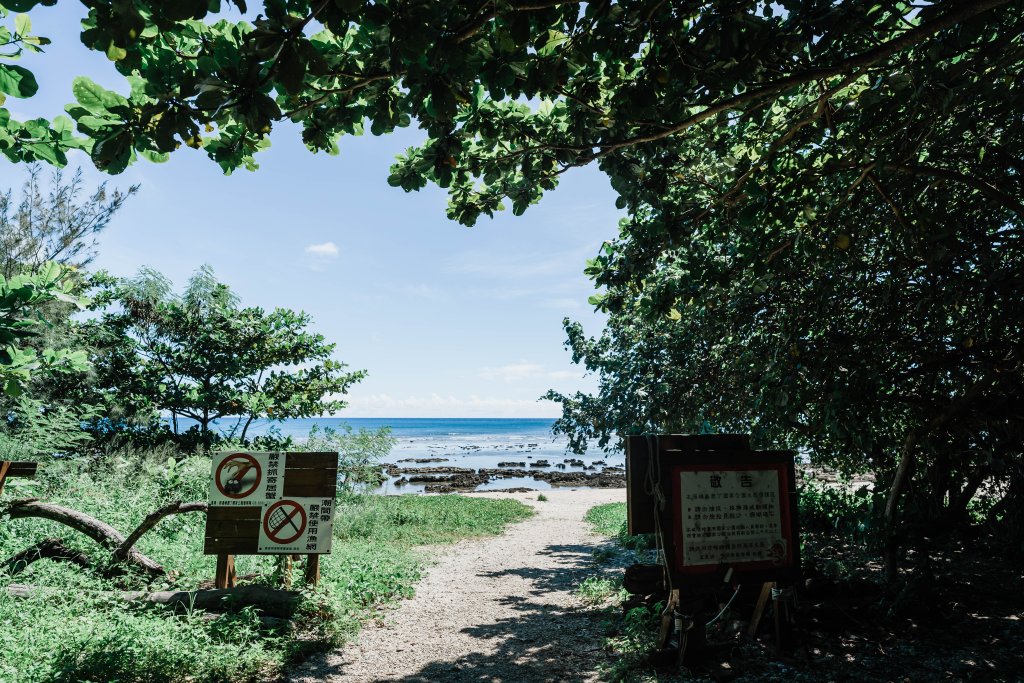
x=726 y=506
x=14 y=468
x=271 y=503
x=736 y=511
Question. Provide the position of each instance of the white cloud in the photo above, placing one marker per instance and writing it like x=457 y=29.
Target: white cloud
x=325 y=250
x=436 y=405
x=523 y=370
x=563 y=304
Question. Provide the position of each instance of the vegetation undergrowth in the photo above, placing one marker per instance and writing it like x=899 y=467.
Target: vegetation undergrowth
x=630 y=630
x=76 y=633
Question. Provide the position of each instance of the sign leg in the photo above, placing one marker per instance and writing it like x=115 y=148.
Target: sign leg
x=762 y=602
x=286 y=571
x=225 y=576
x=4 y=466
x=312 y=576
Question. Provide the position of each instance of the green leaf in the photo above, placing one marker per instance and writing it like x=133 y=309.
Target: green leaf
x=17 y=81
x=115 y=53
x=96 y=98
x=22 y=25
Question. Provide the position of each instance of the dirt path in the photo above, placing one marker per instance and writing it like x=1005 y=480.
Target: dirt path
x=498 y=609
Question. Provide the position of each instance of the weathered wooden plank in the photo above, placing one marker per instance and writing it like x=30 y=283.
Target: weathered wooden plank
x=322 y=490
x=673 y=449
x=310 y=461
x=218 y=513
x=233 y=528
x=22 y=469
x=304 y=477
x=235 y=546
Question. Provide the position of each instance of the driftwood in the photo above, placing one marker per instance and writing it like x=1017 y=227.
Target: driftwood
x=122 y=549
x=272 y=602
x=48 y=548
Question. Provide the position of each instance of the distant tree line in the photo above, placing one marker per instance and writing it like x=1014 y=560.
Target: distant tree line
x=88 y=360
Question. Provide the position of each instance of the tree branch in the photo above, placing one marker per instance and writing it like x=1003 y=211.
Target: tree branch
x=101 y=532
x=120 y=554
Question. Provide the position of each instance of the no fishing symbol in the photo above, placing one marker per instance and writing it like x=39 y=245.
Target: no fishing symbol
x=284 y=522
x=238 y=476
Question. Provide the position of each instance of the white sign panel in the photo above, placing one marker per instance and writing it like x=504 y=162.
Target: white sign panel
x=731 y=516
x=297 y=525
x=244 y=479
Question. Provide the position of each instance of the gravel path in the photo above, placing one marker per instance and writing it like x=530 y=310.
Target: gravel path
x=497 y=609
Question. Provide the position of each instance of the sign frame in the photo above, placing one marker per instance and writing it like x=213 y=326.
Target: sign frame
x=678 y=453
x=234 y=525
x=780 y=462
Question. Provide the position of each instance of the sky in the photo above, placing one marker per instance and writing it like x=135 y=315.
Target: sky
x=448 y=321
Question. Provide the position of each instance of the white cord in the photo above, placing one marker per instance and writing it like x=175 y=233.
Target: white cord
x=719 y=615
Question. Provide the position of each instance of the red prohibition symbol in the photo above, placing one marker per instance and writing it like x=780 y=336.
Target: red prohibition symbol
x=284 y=522
x=231 y=475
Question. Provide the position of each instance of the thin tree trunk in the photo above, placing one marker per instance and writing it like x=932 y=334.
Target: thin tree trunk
x=246 y=427
x=902 y=476
x=271 y=601
x=120 y=554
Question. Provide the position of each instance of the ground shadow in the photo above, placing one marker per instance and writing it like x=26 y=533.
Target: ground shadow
x=541 y=642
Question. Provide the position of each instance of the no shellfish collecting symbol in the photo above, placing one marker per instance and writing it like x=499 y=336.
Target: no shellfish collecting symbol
x=238 y=475
x=284 y=522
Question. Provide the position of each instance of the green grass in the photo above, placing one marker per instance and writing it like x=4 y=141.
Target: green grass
x=607 y=519
x=610 y=520
x=631 y=635
x=75 y=635
x=596 y=589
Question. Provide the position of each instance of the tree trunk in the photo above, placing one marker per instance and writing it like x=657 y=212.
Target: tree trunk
x=246 y=427
x=101 y=532
x=271 y=601
x=122 y=551
x=48 y=549
x=902 y=476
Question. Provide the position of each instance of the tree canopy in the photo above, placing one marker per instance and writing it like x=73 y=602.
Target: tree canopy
x=202 y=356
x=513 y=93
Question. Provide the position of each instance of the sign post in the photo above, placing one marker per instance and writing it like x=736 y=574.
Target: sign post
x=12 y=468
x=723 y=513
x=270 y=504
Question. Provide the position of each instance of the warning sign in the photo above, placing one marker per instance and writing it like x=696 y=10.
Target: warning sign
x=241 y=478
x=298 y=525
x=271 y=503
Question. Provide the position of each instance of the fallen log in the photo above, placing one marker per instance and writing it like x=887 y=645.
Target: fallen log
x=272 y=602
x=101 y=532
x=48 y=549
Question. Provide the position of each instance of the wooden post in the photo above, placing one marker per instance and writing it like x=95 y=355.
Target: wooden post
x=783 y=625
x=312 y=576
x=4 y=466
x=225 y=576
x=762 y=602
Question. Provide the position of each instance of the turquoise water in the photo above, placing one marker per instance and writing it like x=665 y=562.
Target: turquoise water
x=470 y=428
x=458 y=442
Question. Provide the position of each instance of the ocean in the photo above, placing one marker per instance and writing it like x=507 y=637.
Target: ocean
x=469 y=443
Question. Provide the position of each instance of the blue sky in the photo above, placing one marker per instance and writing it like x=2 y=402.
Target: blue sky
x=449 y=321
